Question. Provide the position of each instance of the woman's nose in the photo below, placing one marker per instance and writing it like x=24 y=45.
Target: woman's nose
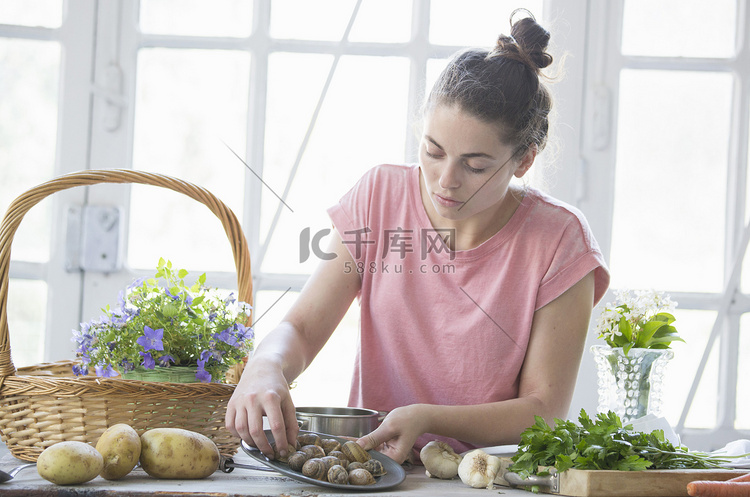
x=449 y=177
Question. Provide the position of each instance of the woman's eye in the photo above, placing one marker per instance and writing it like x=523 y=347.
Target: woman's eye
x=432 y=155
x=473 y=170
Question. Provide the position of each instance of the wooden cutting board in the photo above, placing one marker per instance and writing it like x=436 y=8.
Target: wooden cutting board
x=648 y=483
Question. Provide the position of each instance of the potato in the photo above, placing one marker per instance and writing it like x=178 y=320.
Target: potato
x=69 y=463
x=120 y=446
x=178 y=454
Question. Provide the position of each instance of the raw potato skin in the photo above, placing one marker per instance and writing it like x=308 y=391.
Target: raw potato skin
x=69 y=463
x=120 y=446
x=178 y=454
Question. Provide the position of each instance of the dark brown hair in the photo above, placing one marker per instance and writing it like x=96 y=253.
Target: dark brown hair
x=502 y=85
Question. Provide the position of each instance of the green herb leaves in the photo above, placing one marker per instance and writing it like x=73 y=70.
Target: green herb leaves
x=602 y=443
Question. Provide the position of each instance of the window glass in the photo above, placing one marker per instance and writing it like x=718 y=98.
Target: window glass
x=38 y=13
x=27 y=316
x=694 y=327
x=362 y=123
x=382 y=21
x=742 y=422
x=233 y=18
x=475 y=22
x=326 y=382
x=305 y=20
x=671 y=160
x=189 y=103
x=679 y=28
x=28 y=135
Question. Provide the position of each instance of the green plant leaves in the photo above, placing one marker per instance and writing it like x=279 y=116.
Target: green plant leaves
x=601 y=443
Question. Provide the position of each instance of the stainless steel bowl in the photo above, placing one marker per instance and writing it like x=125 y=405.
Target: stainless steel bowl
x=339 y=421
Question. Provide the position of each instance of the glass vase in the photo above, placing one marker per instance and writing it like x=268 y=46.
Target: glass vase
x=630 y=385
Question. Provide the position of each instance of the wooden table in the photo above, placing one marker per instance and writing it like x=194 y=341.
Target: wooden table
x=241 y=482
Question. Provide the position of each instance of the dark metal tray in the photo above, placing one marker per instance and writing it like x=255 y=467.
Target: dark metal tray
x=394 y=476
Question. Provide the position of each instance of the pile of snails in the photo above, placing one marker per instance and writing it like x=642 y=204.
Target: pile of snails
x=326 y=459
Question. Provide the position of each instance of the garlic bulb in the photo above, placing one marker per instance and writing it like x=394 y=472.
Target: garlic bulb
x=479 y=469
x=440 y=460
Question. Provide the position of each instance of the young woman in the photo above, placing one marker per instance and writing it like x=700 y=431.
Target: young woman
x=475 y=294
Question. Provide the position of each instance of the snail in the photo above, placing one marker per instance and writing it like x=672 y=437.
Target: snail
x=375 y=467
x=313 y=450
x=330 y=445
x=315 y=468
x=337 y=474
x=361 y=477
x=309 y=439
x=354 y=452
x=330 y=461
x=297 y=460
x=337 y=453
x=289 y=451
x=354 y=465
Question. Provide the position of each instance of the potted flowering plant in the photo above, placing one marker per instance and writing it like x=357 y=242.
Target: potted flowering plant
x=160 y=326
x=638 y=331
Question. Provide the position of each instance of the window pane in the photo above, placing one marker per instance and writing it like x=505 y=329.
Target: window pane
x=42 y=13
x=233 y=18
x=352 y=135
x=671 y=159
x=328 y=379
x=373 y=15
x=742 y=421
x=28 y=135
x=188 y=104
x=305 y=20
x=27 y=316
x=694 y=328
x=679 y=28
x=475 y=22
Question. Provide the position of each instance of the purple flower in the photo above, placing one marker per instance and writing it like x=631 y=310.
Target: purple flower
x=151 y=339
x=226 y=337
x=230 y=299
x=127 y=365
x=136 y=283
x=244 y=332
x=105 y=371
x=203 y=376
x=165 y=360
x=148 y=361
x=80 y=370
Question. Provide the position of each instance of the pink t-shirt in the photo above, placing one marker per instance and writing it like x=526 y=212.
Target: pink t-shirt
x=451 y=328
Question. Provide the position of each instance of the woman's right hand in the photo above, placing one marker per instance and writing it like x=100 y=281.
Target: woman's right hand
x=262 y=391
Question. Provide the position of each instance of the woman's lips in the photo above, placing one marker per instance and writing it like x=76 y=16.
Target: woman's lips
x=447 y=202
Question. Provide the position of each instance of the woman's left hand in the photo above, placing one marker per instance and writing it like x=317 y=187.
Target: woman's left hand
x=396 y=435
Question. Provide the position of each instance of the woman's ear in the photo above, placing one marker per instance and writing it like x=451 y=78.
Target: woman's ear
x=526 y=161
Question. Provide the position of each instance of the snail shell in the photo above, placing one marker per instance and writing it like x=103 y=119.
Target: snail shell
x=375 y=467
x=289 y=451
x=337 y=453
x=361 y=477
x=330 y=445
x=337 y=474
x=354 y=465
x=330 y=461
x=297 y=460
x=354 y=452
x=315 y=468
x=309 y=439
x=313 y=450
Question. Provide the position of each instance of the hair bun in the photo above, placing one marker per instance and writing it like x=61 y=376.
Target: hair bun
x=527 y=42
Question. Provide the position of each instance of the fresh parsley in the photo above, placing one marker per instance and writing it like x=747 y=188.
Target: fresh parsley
x=602 y=443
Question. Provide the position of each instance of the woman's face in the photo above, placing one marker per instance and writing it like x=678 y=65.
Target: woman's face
x=465 y=165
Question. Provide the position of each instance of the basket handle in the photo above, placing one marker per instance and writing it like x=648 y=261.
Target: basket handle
x=22 y=204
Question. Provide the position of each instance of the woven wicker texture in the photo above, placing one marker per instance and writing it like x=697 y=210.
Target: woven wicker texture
x=44 y=404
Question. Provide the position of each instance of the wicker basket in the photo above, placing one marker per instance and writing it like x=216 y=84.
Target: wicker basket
x=45 y=404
